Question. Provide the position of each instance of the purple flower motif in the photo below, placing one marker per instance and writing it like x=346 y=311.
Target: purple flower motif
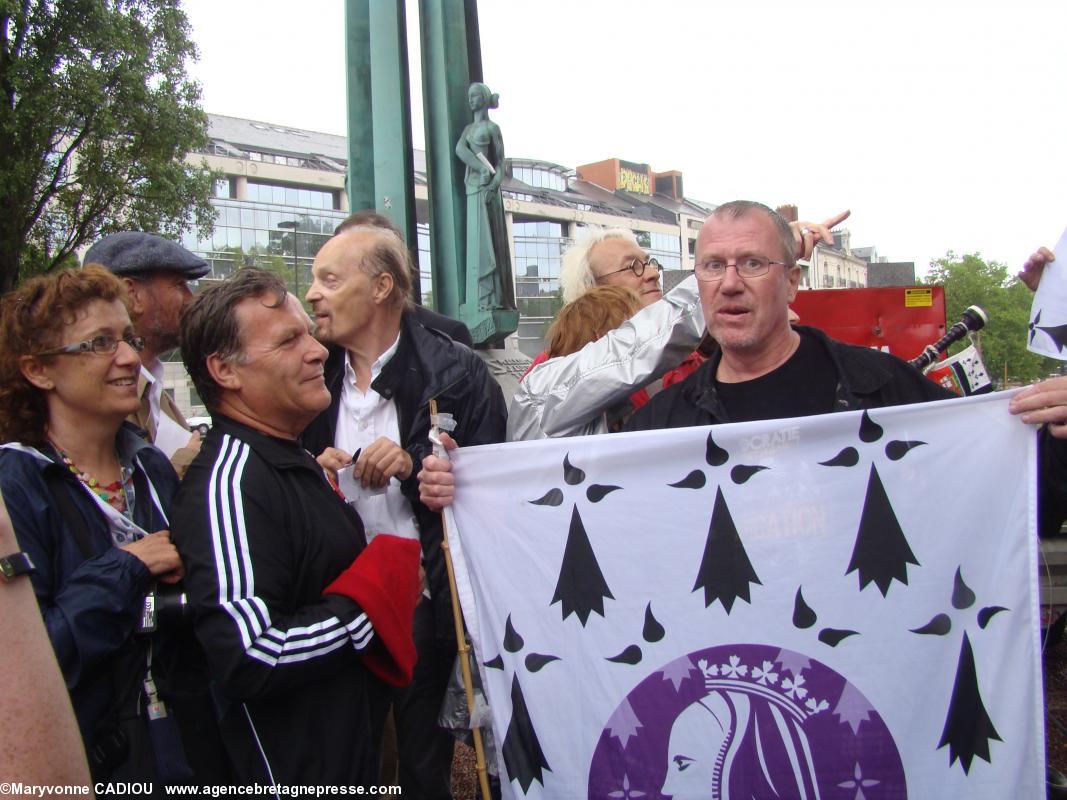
x=815 y=706
x=859 y=784
x=764 y=674
x=794 y=687
x=735 y=669
x=708 y=669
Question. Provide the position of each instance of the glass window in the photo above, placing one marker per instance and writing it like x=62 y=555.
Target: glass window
x=222 y=188
x=248 y=218
x=304 y=198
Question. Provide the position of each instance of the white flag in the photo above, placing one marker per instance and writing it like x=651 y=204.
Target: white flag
x=1048 y=311
x=828 y=607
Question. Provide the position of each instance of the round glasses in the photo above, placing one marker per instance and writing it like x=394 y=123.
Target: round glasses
x=101 y=345
x=747 y=267
x=636 y=265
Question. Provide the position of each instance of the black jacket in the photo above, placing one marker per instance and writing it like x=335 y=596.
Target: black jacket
x=427 y=364
x=866 y=379
x=262 y=533
x=455 y=329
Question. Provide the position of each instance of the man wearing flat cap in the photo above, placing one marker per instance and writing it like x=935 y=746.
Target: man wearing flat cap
x=156 y=272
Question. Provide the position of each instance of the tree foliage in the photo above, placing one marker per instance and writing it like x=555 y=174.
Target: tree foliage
x=96 y=117
x=971 y=281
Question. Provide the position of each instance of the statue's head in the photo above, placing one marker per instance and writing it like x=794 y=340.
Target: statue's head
x=479 y=97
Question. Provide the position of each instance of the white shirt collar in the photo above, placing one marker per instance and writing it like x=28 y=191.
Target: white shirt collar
x=375 y=368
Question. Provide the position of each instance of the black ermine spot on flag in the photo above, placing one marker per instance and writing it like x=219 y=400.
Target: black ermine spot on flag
x=881 y=553
x=1057 y=333
x=725 y=571
x=849 y=457
x=553 y=497
x=714 y=454
x=804 y=616
x=581 y=587
x=968 y=728
x=512 y=641
x=598 y=492
x=652 y=631
x=742 y=472
x=834 y=636
x=694 y=480
x=897 y=449
x=987 y=614
x=535 y=661
x=1033 y=326
x=524 y=760
x=495 y=663
x=962 y=596
x=571 y=474
x=870 y=431
x=631 y=655
x=940 y=625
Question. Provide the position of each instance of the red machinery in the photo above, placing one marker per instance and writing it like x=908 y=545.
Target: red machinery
x=900 y=319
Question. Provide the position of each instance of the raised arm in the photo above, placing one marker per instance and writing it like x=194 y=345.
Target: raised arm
x=564 y=396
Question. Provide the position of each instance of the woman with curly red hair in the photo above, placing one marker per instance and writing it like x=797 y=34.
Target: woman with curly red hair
x=88 y=499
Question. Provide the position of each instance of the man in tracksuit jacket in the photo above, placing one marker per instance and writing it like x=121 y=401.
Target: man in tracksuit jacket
x=383 y=369
x=301 y=620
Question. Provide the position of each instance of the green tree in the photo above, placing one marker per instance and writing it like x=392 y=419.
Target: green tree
x=970 y=280
x=96 y=117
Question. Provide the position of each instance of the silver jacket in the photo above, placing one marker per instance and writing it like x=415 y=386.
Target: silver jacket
x=568 y=396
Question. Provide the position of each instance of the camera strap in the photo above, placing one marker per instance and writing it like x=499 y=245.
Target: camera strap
x=172 y=765
x=56 y=481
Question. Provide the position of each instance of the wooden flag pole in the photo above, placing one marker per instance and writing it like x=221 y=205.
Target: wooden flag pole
x=461 y=644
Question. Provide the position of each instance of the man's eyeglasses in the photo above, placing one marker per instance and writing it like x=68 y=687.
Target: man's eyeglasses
x=101 y=345
x=747 y=267
x=636 y=265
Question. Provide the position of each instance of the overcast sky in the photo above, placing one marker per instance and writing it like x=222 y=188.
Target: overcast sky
x=941 y=124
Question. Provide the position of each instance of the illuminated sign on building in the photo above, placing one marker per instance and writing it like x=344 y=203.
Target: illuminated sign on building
x=634 y=178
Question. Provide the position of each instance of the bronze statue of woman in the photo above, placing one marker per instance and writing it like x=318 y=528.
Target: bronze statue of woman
x=481 y=148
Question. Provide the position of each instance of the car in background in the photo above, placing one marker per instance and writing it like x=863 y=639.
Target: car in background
x=200 y=425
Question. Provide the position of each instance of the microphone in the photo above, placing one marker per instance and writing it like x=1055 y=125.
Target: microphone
x=974 y=319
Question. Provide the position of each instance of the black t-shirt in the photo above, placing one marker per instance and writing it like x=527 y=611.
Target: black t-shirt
x=802 y=386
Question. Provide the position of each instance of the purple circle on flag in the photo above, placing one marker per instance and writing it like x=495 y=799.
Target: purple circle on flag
x=744 y=721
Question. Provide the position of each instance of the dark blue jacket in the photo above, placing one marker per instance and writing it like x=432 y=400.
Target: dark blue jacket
x=90 y=606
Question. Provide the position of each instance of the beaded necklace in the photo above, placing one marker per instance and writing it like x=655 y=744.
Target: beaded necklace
x=114 y=494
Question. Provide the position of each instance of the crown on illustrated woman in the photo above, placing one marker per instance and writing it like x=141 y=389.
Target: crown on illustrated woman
x=786 y=691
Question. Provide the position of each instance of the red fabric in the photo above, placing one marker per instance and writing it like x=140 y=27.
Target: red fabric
x=384 y=581
x=685 y=369
x=541 y=358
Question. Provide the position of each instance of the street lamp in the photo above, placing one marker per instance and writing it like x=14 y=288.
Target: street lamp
x=294 y=225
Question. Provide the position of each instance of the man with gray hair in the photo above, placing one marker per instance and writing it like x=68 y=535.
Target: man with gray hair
x=383 y=370
x=156 y=272
x=609 y=257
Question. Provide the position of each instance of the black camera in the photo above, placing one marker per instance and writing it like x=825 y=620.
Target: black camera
x=164 y=605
